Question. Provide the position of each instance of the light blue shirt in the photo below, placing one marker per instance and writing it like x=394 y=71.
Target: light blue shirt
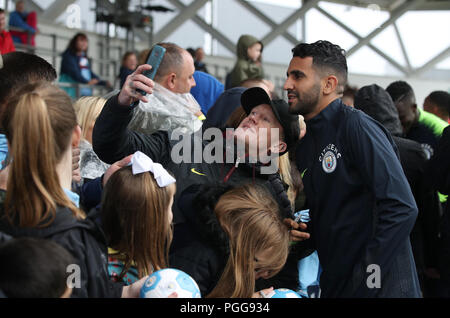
x=3 y=149
x=75 y=198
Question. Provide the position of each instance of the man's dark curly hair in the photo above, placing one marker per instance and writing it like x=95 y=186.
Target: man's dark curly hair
x=327 y=57
x=400 y=90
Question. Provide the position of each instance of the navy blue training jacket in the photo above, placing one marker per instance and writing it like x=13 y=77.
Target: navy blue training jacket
x=361 y=206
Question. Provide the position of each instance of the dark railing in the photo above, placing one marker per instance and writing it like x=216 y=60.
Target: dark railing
x=97 y=90
x=108 y=67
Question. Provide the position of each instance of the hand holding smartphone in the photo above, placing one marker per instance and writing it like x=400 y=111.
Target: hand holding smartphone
x=154 y=60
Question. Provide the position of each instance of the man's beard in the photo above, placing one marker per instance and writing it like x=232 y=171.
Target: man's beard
x=307 y=102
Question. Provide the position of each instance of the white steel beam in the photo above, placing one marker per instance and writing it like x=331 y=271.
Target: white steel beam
x=184 y=15
x=225 y=41
x=281 y=28
x=266 y=19
x=435 y=60
x=397 y=13
x=403 y=47
x=356 y=35
x=56 y=9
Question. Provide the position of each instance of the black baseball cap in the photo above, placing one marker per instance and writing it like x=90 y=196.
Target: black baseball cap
x=256 y=96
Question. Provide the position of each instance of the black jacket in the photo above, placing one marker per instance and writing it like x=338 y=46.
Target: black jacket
x=377 y=103
x=361 y=206
x=438 y=172
x=83 y=239
x=439 y=166
x=112 y=141
x=205 y=248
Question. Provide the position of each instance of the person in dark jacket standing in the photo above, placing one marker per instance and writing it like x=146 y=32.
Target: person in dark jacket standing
x=377 y=103
x=128 y=66
x=361 y=206
x=26 y=21
x=438 y=172
x=418 y=124
x=76 y=67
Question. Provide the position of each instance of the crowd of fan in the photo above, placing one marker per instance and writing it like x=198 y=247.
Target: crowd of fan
x=72 y=189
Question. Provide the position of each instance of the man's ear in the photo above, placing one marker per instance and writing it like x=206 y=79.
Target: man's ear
x=171 y=80
x=330 y=84
x=76 y=136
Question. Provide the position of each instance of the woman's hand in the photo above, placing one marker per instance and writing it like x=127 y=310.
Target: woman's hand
x=136 y=80
x=93 y=81
x=114 y=167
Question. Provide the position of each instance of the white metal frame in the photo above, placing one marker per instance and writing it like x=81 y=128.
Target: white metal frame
x=189 y=12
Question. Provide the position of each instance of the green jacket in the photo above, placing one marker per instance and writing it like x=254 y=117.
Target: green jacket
x=245 y=68
x=433 y=122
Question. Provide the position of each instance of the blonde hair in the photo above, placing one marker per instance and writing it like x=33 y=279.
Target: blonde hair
x=88 y=108
x=284 y=165
x=39 y=123
x=250 y=217
x=135 y=220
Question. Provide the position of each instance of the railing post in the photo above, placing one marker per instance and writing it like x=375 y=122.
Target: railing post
x=101 y=56
x=54 y=54
x=77 y=90
x=108 y=48
x=29 y=49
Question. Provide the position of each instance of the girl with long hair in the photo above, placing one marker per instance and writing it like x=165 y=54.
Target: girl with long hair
x=136 y=216
x=238 y=237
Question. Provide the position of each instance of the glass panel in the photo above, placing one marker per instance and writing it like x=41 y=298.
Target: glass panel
x=366 y=61
x=425 y=34
x=319 y=27
x=445 y=64
x=361 y=20
x=388 y=43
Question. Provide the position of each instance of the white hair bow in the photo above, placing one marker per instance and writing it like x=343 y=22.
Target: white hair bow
x=140 y=163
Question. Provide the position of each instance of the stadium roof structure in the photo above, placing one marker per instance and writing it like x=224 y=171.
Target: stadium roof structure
x=189 y=10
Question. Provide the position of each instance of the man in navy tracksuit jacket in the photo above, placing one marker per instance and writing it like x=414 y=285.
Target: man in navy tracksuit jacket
x=361 y=206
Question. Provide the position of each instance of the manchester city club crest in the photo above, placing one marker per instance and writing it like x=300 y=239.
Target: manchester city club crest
x=329 y=162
